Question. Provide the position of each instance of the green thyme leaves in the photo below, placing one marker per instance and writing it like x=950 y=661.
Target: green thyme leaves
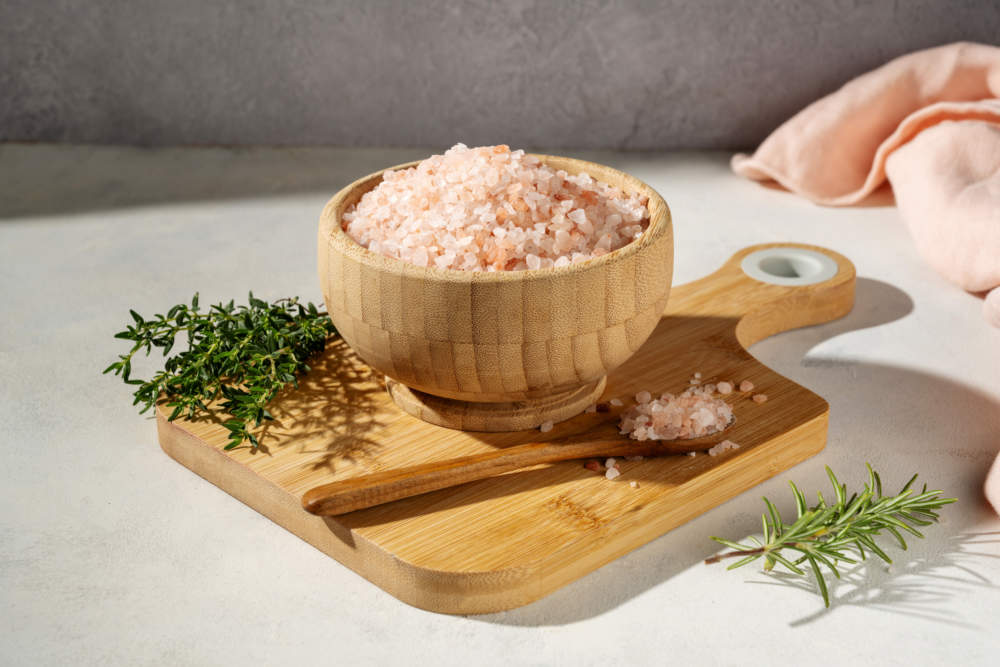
x=237 y=357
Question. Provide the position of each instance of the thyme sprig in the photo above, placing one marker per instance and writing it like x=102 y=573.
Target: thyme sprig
x=241 y=354
x=841 y=531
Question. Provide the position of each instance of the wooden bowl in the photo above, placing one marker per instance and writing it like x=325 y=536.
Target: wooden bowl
x=497 y=351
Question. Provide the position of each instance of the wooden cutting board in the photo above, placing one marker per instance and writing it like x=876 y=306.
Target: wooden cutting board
x=504 y=542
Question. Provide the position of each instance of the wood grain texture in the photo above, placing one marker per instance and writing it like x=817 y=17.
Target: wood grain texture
x=364 y=491
x=497 y=351
x=508 y=540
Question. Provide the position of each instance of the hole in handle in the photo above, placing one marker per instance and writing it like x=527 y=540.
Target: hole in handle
x=789 y=266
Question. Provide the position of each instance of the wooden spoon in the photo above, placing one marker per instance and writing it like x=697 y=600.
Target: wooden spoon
x=357 y=493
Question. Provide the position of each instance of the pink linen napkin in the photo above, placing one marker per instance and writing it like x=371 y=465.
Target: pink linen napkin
x=929 y=122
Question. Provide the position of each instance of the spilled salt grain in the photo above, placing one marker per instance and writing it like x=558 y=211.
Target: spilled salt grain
x=643 y=397
x=493 y=209
x=759 y=398
x=610 y=463
x=746 y=385
x=611 y=473
x=634 y=484
x=593 y=465
x=697 y=375
x=722 y=446
x=545 y=427
x=724 y=388
x=616 y=402
x=692 y=453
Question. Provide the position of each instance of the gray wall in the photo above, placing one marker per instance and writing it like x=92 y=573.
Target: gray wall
x=628 y=74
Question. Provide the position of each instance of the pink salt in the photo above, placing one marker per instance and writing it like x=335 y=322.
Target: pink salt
x=545 y=427
x=759 y=398
x=746 y=385
x=722 y=447
x=724 y=388
x=493 y=209
x=692 y=414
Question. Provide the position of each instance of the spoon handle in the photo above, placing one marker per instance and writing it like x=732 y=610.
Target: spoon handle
x=365 y=491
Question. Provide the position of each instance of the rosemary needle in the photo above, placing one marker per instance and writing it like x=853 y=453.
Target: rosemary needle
x=842 y=531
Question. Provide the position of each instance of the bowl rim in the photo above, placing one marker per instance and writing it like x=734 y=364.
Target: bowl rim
x=659 y=225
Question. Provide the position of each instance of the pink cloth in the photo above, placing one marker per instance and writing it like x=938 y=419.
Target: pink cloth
x=930 y=123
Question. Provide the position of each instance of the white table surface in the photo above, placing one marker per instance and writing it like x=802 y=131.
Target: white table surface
x=112 y=553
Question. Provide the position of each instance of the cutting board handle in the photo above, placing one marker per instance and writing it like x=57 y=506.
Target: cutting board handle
x=771 y=288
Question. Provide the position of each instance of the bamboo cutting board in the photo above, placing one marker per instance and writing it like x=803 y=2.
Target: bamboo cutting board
x=503 y=542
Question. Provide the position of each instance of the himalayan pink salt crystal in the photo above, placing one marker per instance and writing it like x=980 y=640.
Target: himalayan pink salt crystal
x=616 y=402
x=493 y=209
x=610 y=463
x=545 y=427
x=724 y=388
x=722 y=447
x=593 y=465
x=611 y=473
x=692 y=454
x=697 y=375
x=634 y=484
x=692 y=414
x=746 y=385
x=419 y=257
x=759 y=398
x=643 y=397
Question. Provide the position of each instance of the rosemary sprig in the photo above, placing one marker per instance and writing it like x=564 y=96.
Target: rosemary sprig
x=826 y=533
x=242 y=354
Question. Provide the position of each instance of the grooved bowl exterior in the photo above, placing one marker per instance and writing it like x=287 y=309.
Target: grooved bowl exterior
x=497 y=336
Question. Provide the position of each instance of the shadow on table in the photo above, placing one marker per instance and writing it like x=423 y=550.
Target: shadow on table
x=923 y=413
x=914 y=585
x=43 y=179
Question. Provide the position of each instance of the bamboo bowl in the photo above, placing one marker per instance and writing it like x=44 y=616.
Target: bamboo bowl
x=496 y=351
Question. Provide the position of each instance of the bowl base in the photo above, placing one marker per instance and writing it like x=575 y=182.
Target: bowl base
x=495 y=417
